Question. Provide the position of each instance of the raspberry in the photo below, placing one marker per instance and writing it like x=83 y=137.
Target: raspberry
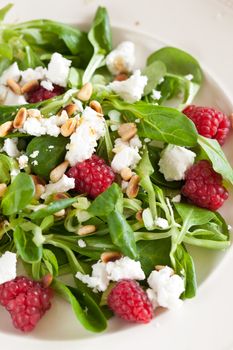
x=41 y=94
x=129 y=301
x=203 y=186
x=26 y=300
x=209 y=122
x=92 y=176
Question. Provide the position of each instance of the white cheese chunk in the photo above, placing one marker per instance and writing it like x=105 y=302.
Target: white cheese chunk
x=156 y=94
x=127 y=154
x=175 y=161
x=84 y=140
x=103 y=273
x=131 y=89
x=23 y=161
x=32 y=74
x=81 y=243
x=46 y=84
x=12 y=72
x=7 y=267
x=12 y=99
x=58 y=69
x=10 y=147
x=167 y=288
x=63 y=185
x=122 y=59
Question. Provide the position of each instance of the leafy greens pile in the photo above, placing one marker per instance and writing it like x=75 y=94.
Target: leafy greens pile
x=48 y=244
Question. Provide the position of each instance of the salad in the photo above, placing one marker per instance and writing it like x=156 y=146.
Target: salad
x=108 y=173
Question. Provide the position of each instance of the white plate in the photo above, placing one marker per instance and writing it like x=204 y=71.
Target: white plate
x=206 y=321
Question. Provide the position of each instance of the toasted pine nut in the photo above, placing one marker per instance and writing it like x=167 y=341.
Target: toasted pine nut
x=96 y=106
x=30 y=86
x=3 y=188
x=39 y=190
x=15 y=87
x=133 y=186
x=60 y=213
x=85 y=230
x=5 y=128
x=57 y=173
x=110 y=256
x=127 y=131
x=126 y=174
x=20 y=118
x=85 y=92
x=121 y=77
x=37 y=180
x=139 y=216
x=68 y=127
x=71 y=109
x=160 y=267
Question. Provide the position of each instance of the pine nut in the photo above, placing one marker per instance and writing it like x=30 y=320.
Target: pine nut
x=139 y=216
x=68 y=127
x=96 y=106
x=15 y=87
x=30 y=86
x=20 y=118
x=3 y=188
x=71 y=109
x=85 y=230
x=121 y=77
x=57 y=173
x=60 y=213
x=126 y=174
x=37 y=180
x=133 y=186
x=85 y=92
x=5 y=128
x=110 y=256
x=127 y=131
x=39 y=190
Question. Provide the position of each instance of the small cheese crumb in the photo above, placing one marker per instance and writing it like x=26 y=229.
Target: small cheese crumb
x=63 y=185
x=162 y=223
x=32 y=74
x=10 y=147
x=34 y=162
x=7 y=267
x=34 y=154
x=58 y=69
x=189 y=77
x=23 y=161
x=176 y=199
x=82 y=243
x=175 y=161
x=127 y=154
x=12 y=99
x=12 y=72
x=131 y=89
x=156 y=95
x=46 y=84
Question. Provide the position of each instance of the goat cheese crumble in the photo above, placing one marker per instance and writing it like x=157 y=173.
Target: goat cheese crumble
x=7 y=267
x=127 y=154
x=174 y=162
x=122 y=59
x=10 y=147
x=23 y=161
x=58 y=69
x=63 y=185
x=83 y=141
x=12 y=72
x=131 y=89
x=103 y=273
x=166 y=288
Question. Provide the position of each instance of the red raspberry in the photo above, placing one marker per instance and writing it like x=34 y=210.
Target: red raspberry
x=92 y=176
x=41 y=94
x=209 y=122
x=129 y=301
x=26 y=300
x=203 y=186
